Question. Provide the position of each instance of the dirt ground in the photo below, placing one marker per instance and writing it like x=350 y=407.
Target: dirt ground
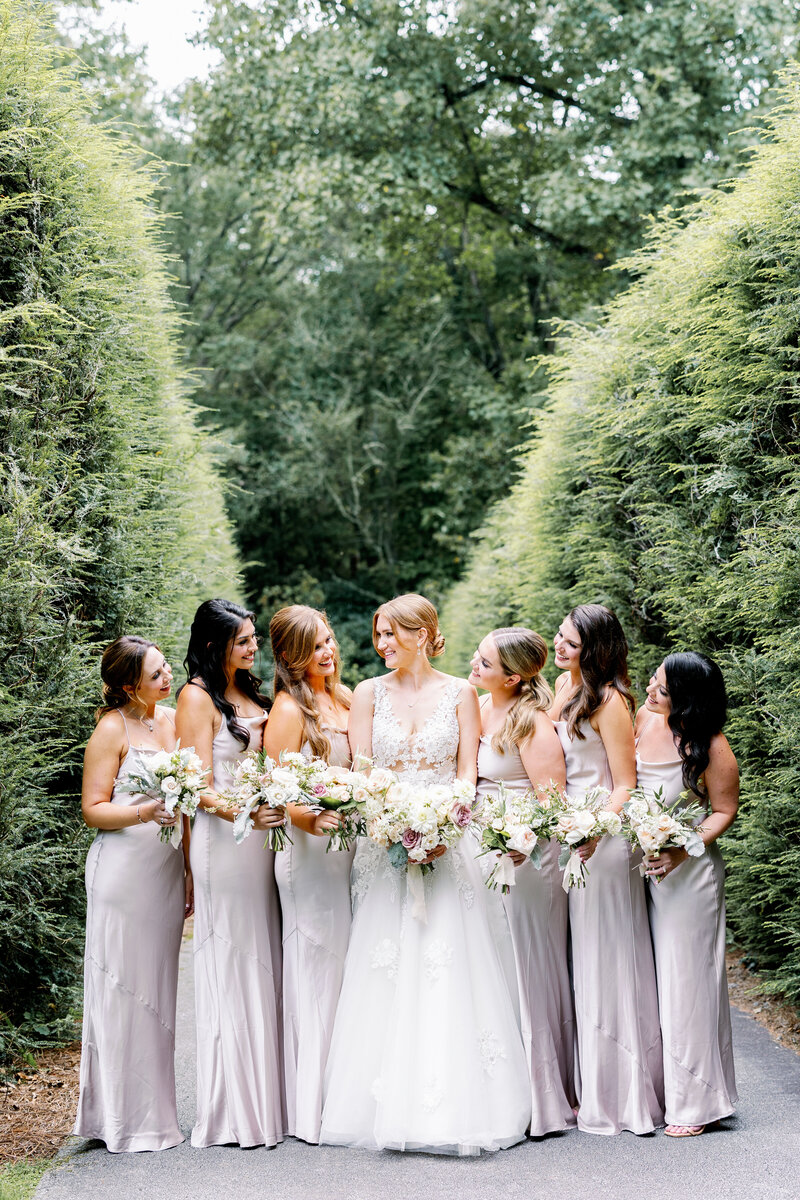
x=37 y=1107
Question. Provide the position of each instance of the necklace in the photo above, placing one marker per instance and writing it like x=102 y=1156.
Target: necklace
x=148 y=724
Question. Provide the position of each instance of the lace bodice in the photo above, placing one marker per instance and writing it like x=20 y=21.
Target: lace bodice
x=427 y=756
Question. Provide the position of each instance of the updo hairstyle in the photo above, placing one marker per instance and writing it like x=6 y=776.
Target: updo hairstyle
x=411 y=612
x=121 y=668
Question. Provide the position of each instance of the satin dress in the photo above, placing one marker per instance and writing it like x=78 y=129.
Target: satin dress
x=537 y=911
x=426 y=1052
x=134 y=921
x=314 y=888
x=687 y=920
x=237 y=964
x=619 y=1070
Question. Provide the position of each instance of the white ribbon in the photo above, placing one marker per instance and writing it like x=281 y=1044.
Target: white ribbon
x=573 y=872
x=504 y=874
x=416 y=890
x=176 y=835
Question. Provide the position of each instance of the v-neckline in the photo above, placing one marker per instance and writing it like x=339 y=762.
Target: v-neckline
x=413 y=734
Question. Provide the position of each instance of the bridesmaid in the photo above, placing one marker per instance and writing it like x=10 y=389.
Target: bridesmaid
x=138 y=891
x=520 y=749
x=680 y=747
x=309 y=715
x=237 y=962
x=619 y=1068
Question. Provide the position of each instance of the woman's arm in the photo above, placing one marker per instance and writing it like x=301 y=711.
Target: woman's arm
x=101 y=762
x=542 y=756
x=722 y=781
x=612 y=721
x=469 y=733
x=284 y=734
x=196 y=722
x=359 y=722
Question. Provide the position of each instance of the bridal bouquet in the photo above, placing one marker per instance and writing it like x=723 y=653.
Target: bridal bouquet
x=655 y=825
x=411 y=820
x=577 y=822
x=515 y=821
x=177 y=777
x=257 y=779
x=338 y=790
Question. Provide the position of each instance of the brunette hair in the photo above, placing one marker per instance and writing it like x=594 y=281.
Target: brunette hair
x=215 y=625
x=603 y=663
x=699 y=706
x=293 y=634
x=121 y=667
x=521 y=652
x=411 y=612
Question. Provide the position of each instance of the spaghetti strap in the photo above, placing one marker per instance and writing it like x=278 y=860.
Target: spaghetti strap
x=125 y=723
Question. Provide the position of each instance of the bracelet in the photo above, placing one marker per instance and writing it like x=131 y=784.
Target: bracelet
x=138 y=818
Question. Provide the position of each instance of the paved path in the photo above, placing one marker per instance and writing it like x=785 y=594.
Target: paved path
x=752 y=1156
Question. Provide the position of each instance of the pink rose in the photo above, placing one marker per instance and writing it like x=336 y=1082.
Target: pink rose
x=411 y=839
x=461 y=815
x=319 y=789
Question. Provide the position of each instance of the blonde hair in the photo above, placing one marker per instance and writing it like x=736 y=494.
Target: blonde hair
x=293 y=634
x=411 y=612
x=521 y=652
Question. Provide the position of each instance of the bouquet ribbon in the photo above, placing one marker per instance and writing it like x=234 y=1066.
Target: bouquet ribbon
x=504 y=874
x=573 y=872
x=416 y=890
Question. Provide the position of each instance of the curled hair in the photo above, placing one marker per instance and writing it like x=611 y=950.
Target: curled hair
x=521 y=652
x=215 y=625
x=121 y=668
x=411 y=612
x=698 y=708
x=293 y=633
x=603 y=664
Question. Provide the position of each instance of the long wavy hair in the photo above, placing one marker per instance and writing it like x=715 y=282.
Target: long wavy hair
x=216 y=623
x=121 y=669
x=603 y=663
x=699 y=706
x=521 y=652
x=411 y=612
x=293 y=633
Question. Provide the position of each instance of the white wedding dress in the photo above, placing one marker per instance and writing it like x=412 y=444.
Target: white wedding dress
x=426 y=1052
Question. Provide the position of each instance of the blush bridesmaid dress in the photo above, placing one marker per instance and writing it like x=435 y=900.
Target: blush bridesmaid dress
x=314 y=889
x=237 y=964
x=134 y=921
x=687 y=920
x=619 y=1071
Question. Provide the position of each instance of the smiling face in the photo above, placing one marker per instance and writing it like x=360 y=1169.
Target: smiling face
x=156 y=682
x=568 y=647
x=397 y=647
x=323 y=662
x=658 y=698
x=242 y=649
x=487 y=670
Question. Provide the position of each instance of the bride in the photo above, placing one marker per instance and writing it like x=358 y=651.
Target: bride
x=426 y=1052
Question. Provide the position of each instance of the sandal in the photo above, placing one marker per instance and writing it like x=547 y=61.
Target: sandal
x=678 y=1131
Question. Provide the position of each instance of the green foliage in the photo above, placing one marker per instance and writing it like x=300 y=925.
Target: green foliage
x=111 y=515
x=18 y=1181
x=664 y=480
x=382 y=206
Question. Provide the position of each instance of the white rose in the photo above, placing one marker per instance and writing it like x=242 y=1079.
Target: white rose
x=523 y=840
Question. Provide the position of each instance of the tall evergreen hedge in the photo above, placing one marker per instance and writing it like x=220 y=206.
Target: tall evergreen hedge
x=664 y=480
x=111 y=515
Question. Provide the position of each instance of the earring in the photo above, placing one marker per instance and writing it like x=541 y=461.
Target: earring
x=419 y=651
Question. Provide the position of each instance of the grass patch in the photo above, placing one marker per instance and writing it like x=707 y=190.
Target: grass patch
x=18 y=1180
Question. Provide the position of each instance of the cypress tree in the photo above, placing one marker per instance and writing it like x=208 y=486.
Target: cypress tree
x=111 y=513
x=664 y=480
